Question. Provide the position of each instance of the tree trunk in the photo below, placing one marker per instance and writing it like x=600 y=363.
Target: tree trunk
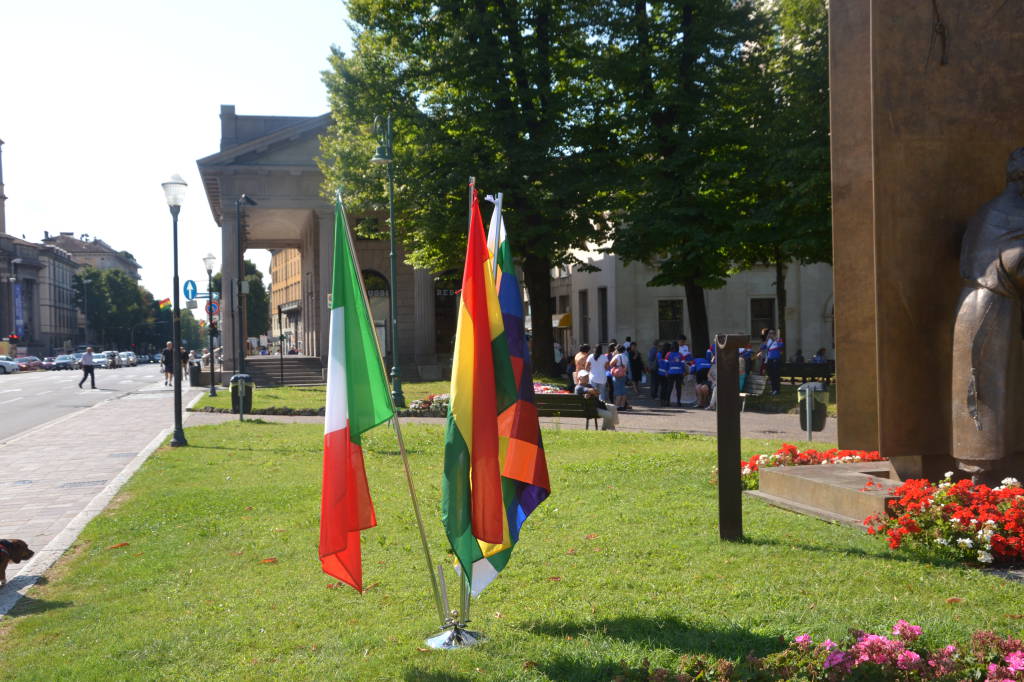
x=537 y=277
x=698 y=319
x=780 y=294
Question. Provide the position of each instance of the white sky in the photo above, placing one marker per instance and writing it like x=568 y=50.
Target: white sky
x=102 y=101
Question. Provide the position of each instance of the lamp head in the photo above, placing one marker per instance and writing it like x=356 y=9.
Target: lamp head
x=174 y=190
x=208 y=261
x=247 y=200
x=381 y=156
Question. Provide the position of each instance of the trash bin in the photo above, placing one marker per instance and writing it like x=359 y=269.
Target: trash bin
x=241 y=389
x=819 y=404
x=194 y=372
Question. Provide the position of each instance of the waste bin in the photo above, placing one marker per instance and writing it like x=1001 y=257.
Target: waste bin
x=241 y=390
x=194 y=372
x=818 y=394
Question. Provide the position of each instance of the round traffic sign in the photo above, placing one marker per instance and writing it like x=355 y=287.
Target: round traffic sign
x=212 y=307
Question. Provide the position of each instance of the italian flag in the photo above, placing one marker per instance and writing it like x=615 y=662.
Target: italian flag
x=358 y=399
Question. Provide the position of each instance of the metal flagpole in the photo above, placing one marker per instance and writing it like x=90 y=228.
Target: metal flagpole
x=446 y=621
x=464 y=582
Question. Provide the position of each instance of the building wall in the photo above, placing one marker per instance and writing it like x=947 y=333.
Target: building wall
x=58 y=317
x=285 y=288
x=633 y=306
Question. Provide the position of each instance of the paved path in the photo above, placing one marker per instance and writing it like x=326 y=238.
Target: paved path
x=55 y=477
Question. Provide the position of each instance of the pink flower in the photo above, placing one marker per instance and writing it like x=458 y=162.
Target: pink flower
x=906 y=631
x=839 y=660
x=802 y=639
x=829 y=644
x=908 y=660
x=1015 y=661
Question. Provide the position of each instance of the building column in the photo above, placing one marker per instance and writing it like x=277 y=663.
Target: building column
x=229 y=307
x=425 y=332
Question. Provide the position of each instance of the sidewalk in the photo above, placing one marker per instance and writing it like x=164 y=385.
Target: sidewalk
x=56 y=477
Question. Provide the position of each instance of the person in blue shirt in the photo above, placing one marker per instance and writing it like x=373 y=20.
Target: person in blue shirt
x=652 y=369
x=774 y=348
x=675 y=370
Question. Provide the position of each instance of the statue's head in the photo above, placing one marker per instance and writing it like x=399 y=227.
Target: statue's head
x=1015 y=166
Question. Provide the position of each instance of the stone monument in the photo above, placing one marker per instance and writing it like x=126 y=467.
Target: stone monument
x=925 y=103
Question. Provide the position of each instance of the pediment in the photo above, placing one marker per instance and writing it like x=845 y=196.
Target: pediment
x=295 y=145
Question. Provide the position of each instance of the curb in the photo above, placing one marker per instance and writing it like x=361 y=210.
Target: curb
x=46 y=557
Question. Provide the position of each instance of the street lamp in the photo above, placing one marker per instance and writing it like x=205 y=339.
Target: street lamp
x=174 y=190
x=243 y=200
x=13 y=281
x=384 y=156
x=208 y=262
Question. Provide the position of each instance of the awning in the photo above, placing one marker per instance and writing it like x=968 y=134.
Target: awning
x=561 y=321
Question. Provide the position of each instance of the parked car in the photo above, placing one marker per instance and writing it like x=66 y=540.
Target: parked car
x=65 y=362
x=47 y=363
x=113 y=359
x=100 y=361
x=8 y=365
x=157 y=358
x=128 y=358
x=28 y=362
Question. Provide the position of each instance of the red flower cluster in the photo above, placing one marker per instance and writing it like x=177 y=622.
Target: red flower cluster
x=958 y=520
x=788 y=455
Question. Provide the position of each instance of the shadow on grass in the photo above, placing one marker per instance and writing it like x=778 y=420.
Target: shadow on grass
x=28 y=606
x=668 y=632
x=420 y=675
x=856 y=552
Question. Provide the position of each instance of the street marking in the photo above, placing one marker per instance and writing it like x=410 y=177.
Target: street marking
x=4 y=402
x=11 y=390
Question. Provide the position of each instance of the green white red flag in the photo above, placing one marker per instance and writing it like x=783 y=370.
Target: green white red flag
x=358 y=399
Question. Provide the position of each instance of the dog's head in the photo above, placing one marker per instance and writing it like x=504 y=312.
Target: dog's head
x=17 y=550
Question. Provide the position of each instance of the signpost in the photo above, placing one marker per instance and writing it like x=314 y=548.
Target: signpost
x=212 y=308
x=190 y=289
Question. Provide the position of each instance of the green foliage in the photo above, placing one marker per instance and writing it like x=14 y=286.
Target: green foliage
x=118 y=308
x=505 y=91
x=257 y=303
x=623 y=563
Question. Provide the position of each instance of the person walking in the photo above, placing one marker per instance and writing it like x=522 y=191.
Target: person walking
x=88 y=368
x=619 y=368
x=676 y=371
x=597 y=365
x=774 y=349
x=167 y=359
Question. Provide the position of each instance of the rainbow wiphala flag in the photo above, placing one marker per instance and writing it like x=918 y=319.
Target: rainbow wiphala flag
x=495 y=472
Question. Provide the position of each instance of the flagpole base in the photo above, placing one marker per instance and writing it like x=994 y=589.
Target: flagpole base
x=454 y=637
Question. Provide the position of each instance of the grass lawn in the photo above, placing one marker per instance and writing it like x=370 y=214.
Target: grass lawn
x=622 y=563
x=312 y=397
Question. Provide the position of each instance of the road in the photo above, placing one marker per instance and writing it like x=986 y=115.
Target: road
x=28 y=399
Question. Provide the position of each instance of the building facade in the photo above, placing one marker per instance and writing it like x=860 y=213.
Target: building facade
x=615 y=301
x=286 y=294
x=88 y=250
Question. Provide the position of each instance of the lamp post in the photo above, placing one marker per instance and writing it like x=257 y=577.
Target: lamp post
x=240 y=202
x=384 y=156
x=13 y=281
x=208 y=262
x=174 y=190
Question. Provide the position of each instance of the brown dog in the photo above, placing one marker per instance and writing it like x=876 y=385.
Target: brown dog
x=12 y=551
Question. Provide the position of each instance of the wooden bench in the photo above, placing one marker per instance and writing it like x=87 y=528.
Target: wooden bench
x=756 y=386
x=566 y=405
x=802 y=372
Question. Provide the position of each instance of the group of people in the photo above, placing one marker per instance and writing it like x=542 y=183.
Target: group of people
x=609 y=372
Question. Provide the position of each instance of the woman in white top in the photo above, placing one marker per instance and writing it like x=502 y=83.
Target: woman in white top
x=597 y=366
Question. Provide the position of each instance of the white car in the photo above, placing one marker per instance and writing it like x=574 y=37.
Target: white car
x=8 y=365
x=128 y=359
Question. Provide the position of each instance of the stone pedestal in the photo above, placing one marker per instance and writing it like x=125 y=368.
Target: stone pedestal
x=925 y=109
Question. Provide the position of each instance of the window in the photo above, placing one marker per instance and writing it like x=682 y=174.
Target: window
x=602 y=314
x=762 y=315
x=584 y=320
x=670 y=318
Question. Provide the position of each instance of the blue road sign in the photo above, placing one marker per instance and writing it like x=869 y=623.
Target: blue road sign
x=212 y=308
x=190 y=289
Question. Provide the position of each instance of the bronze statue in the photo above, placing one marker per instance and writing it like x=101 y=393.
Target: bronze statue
x=988 y=339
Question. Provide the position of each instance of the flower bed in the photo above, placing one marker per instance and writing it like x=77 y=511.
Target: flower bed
x=862 y=656
x=788 y=456
x=959 y=521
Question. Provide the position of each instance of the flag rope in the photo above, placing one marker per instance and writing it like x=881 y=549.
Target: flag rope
x=445 y=621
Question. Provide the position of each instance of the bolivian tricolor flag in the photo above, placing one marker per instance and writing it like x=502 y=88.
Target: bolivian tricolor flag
x=357 y=400
x=478 y=506
x=165 y=304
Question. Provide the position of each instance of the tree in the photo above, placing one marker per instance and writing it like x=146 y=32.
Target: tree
x=257 y=303
x=500 y=89
x=117 y=306
x=790 y=187
x=679 y=67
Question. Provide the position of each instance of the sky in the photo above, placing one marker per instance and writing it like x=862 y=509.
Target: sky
x=101 y=102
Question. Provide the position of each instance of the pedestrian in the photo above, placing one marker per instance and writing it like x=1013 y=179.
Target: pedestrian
x=774 y=348
x=676 y=371
x=597 y=365
x=652 y=369
x=167 y=360
x=88 y=368
x=619 y=368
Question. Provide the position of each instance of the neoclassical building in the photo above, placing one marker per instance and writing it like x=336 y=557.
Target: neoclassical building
x=270 y=159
